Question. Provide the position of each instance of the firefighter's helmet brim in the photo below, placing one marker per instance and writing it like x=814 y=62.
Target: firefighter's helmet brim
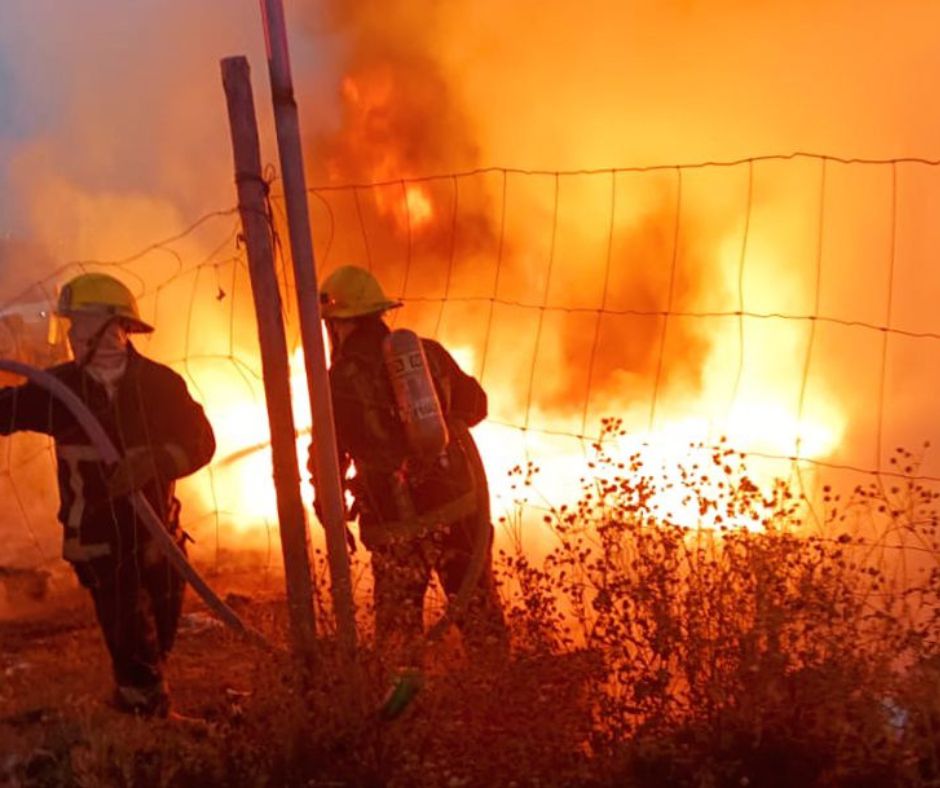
x=104 y=296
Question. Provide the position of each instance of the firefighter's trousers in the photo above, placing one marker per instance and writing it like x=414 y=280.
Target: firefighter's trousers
x=138 y=599
x=402 y=571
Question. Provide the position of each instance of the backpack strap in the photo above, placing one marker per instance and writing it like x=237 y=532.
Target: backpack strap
x=421 y=525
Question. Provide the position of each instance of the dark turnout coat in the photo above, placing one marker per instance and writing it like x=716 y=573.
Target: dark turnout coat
x=151 y=410
x=370 y=433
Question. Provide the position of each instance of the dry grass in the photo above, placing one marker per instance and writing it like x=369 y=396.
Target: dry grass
x=645 y=653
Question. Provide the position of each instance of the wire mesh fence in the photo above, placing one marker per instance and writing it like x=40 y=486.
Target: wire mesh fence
x=780 y=306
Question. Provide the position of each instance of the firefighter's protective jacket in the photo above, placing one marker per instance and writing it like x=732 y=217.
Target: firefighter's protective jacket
x=151 y=410
x=370 y=433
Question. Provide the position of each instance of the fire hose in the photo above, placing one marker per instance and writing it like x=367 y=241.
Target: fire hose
x=153 y=523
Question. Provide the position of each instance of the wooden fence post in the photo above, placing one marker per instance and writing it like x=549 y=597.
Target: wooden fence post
x=329 y=483
x=275 y=365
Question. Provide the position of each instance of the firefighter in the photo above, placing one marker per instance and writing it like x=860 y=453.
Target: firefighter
x=162 y=435
x=416 y=515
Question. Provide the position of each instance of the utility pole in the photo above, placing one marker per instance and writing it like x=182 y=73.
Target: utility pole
x=252 y=205
x=327 y=476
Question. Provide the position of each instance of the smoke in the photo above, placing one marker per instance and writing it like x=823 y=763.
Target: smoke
x=113 y=132
x=114 y=117
x=125 y=100
x=603 y=83
x=399 y=113
x=113 y=135
x=430 y=87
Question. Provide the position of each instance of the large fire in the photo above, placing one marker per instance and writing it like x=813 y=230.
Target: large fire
x=572 y=297
x=747 y=395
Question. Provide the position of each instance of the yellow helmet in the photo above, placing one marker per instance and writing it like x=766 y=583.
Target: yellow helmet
x=101 y=294
x=351 y=291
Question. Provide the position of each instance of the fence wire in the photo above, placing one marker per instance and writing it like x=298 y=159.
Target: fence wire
x=681 y=299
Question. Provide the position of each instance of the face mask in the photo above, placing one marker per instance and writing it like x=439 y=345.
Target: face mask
x=99 y=344
x=338 y=331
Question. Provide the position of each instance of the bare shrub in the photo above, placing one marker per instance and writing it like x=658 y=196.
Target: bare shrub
x=751 y=650
x=760 y=640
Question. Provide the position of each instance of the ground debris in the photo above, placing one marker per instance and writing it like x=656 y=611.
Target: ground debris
x=27 y=717
x=198 y=622
x=24 y=584
x=17 y=667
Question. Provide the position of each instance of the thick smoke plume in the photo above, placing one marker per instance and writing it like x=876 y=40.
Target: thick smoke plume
x=113 y=134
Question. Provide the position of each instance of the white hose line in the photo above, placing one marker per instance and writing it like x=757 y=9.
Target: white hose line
x=155 y=526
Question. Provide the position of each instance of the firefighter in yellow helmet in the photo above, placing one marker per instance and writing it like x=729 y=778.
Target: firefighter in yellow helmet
x=162 y=434
x=417 y=514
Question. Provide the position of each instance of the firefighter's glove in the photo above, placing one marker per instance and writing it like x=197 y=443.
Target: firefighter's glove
x=135 y=470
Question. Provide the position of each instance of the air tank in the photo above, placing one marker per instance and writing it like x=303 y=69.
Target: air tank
x=415 y=395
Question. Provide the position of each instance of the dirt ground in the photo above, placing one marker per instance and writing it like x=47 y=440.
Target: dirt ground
x=247 y=724
x=56 y=685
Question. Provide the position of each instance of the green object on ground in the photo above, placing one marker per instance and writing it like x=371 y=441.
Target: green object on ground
x=407 y=684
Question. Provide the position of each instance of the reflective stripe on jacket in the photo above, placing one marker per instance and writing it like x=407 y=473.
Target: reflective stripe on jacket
x=151 y=409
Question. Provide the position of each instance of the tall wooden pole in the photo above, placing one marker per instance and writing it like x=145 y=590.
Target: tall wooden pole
x=328 y=481
x=252 y=194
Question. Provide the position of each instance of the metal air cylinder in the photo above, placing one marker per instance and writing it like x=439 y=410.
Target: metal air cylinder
x=415 y=396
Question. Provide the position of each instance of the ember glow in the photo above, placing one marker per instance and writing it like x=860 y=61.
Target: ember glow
x=420 y=211
x=240 y=483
